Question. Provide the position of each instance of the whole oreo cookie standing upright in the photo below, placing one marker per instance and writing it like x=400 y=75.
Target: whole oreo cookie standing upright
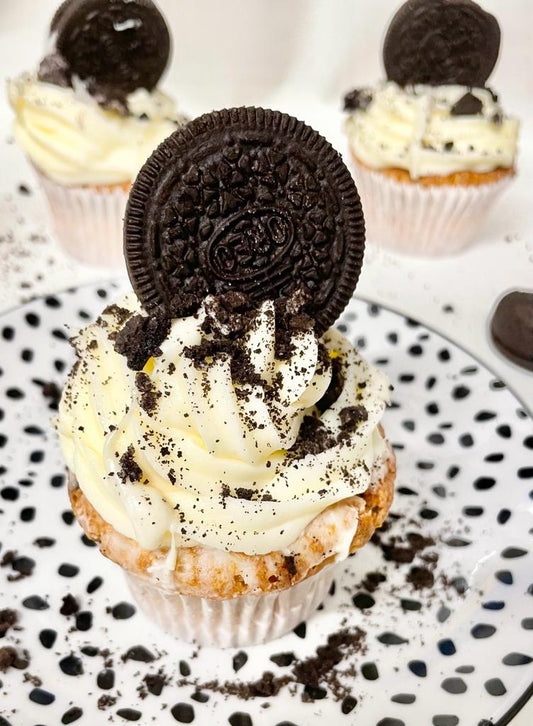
x=441 y=42
x=114 y=46
x=244 y=199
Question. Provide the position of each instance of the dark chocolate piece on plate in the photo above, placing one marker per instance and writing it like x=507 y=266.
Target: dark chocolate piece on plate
x=439 y=42
x=512 y=328
x=115 y=46
x=250 y=200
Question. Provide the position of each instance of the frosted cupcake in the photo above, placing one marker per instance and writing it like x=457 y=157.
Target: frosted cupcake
x=432 y=145
x=224 y=443
x=92 y=114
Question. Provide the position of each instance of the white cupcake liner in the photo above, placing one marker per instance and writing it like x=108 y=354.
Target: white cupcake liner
x=428 y=221
x=88 y=221
x=240 y=621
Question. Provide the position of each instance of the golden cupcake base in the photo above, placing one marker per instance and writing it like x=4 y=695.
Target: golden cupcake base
x=227 y=599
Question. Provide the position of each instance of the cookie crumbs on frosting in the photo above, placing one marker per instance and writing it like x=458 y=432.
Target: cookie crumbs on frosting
x=313 y=438
x=244 y=493
x=141 y=337
x=467 y=105
x=291 y=317
x=351 y=416
x=230 y=314
x=149 y=394
x=357 y=100
x=242 y=370
x=130 y=469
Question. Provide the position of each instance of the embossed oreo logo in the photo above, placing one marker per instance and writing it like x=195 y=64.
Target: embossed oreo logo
x=249 y=243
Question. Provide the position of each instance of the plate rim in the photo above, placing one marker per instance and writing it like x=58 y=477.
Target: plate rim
x=527 y=695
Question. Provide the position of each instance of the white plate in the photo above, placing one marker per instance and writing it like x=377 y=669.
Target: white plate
x=433 y=656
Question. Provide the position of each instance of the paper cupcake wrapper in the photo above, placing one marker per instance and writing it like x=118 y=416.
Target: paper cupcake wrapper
x=428 y=221
x=88 y=221
x=240 y=621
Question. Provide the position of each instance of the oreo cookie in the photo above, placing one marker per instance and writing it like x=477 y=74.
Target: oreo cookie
x=512 y=328
x=58 y=15
x=439 y=42
x=114 y=46
x=250 y=200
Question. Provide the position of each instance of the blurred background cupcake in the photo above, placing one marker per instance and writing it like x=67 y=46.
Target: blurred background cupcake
x=432 y=146
x=92 y=114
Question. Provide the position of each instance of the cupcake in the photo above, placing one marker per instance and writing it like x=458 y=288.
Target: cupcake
x=92 y=114
x=224 y=443
x=432 y=146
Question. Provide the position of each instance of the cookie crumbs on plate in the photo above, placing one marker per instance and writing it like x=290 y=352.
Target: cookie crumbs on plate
x=8 y=619
x=317 y=672
x=10 y=658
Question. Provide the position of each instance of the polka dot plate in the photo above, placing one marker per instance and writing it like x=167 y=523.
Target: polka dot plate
x=429 y=624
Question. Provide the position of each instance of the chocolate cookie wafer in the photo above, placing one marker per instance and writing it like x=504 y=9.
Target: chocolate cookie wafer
x=114 y=46
x=439 y=42
x=245 y=199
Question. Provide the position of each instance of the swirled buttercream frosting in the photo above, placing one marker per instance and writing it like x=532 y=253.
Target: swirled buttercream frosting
x=430 y=130
x=73 y=140
x=232 y=428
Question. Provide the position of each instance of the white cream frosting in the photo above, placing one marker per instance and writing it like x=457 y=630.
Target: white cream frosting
x=209 y=436
x=74 y=141
x=412 y=128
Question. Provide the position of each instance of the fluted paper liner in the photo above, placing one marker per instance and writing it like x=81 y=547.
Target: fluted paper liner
x=88 y=221
x=233 y=622
x=428 y=221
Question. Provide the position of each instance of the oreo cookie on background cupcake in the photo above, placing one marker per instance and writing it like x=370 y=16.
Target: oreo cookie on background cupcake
x=224 y=443
x=432 y=146
x=91 y=114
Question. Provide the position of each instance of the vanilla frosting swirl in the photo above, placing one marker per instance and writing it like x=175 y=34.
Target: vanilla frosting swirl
x=218 y=457
x=74 y=141
x=414 y=129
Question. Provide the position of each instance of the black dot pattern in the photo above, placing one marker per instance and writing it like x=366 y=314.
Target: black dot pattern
x=483 y=630
x=464 y=447
x=445 y=720
x=72 y=715
x=183 y=712
x=495 y=687
x=454 y=685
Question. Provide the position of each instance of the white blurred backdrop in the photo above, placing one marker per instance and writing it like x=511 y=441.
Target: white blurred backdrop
x=276 y=52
